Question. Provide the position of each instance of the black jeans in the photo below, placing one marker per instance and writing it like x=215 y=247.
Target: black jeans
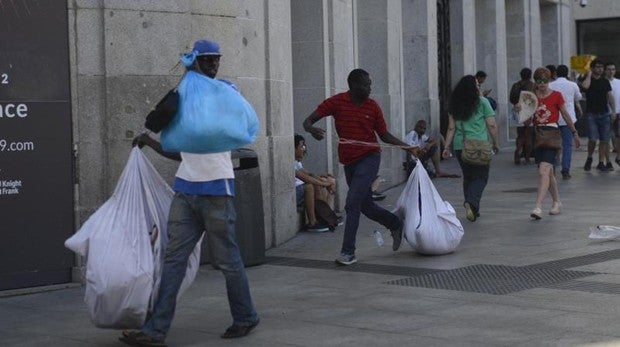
x=475 y=179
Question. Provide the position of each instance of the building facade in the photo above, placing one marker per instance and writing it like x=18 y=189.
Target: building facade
x=286 y=56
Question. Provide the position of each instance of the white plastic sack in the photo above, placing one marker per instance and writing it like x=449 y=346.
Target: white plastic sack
x=124 y=261
x=431 y=226
x=604 y=232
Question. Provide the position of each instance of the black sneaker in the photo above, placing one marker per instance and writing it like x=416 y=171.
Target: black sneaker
x=234 y=331
x=377 y=196
x=588 y=165
x=601 y=167
x=566 y=175
x=317 y=228
x=397 y=237
x=609 y=167
x=138 y=338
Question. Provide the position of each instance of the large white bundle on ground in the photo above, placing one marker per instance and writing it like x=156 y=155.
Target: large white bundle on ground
x=124 y=242
x=431 y=226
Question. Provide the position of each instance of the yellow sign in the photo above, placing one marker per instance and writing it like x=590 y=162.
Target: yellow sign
x=581 y=63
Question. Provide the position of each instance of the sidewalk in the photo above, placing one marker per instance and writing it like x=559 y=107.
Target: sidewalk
x=511 y=282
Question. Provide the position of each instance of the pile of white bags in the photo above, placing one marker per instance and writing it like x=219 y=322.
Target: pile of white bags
x=431 y=226
x=124 y=242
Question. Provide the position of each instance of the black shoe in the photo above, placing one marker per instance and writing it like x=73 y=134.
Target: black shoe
x=317 y=228
x=235 y=331
x=377 y=196
x=609 y=167
x=601 y=167
x=566 y=175
x=138 y=338
x=397 y=237
x=588 y=165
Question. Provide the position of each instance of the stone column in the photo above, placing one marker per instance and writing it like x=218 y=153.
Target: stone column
x=323 y=56
x=462 y=38
x=523 y=37
x=555 y=19
x=492 y=57
x=420 y=89
x=380 y=53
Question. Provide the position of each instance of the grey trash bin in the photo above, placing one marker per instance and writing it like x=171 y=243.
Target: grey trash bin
x=250 y=225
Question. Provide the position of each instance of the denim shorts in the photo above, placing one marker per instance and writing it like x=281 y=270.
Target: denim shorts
x=546 y=156
x=599 y=125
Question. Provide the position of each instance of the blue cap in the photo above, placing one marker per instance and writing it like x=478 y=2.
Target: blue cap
x=206 y=47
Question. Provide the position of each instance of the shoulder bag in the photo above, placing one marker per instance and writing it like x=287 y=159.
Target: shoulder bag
x=475 y=152
x=548 y=137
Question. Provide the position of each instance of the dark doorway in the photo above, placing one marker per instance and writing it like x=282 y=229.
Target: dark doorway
x=600 y=37
x=444 y=61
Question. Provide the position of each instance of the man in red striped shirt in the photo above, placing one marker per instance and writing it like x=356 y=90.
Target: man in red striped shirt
x=358 y=121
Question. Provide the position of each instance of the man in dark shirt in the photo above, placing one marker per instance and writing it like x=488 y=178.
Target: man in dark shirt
x=524 y=130
x=358 y=121
x=600 y=112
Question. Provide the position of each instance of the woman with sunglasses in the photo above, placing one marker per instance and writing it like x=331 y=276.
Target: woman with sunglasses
x=550 y=107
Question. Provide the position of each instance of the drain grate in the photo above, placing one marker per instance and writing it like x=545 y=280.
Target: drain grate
x=359 y=267
x=521 y=190
x=491 y=279
x=588 y=286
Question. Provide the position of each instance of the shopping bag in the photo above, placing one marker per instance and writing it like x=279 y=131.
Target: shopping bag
x=124 y=242
x=212 y=117
x=430 y=223
x=604 y=232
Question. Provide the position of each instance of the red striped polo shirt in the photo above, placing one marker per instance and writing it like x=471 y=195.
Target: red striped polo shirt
x=353 y=122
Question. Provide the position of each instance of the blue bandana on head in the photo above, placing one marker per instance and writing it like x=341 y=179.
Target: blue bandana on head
x=201 y=47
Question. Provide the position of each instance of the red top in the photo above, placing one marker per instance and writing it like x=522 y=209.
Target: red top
x=548 y=110
x=358 y=123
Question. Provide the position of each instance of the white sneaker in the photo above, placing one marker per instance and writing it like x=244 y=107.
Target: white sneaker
x=555 y=209
x=536 y=213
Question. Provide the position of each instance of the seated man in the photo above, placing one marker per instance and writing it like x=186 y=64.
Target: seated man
x=310 y=187
x=429 y=149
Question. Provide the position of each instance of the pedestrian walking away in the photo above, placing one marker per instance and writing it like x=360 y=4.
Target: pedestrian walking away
x=476 y=119
x=358 y=121
x=204 y=189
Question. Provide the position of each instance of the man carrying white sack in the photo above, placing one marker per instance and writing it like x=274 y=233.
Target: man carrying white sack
x=204 y=188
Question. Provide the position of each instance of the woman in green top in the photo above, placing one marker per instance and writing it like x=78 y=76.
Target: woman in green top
x=472 y=113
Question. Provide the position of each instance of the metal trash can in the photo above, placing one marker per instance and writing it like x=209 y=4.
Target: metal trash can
x=248 y=201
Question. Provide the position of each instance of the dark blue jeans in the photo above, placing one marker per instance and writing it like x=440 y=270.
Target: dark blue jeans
x=360 y=176
x=190 y=215
x=475 y=179
x=567 y=147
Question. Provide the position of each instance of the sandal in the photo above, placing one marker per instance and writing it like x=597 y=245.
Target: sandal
x=138 y=338
x=235 y=331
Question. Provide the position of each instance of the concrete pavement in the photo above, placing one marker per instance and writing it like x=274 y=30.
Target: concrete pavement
x=511 y=282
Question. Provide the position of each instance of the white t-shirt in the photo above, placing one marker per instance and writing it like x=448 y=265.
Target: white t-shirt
x=298 y=166
x=205 y=167
x=414 y=139
x=570 y=92
x=615 y=90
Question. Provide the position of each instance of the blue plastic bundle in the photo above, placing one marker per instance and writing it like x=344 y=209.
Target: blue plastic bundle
x=212 y=117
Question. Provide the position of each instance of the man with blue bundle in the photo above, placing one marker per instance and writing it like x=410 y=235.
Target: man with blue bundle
x=204 y=189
